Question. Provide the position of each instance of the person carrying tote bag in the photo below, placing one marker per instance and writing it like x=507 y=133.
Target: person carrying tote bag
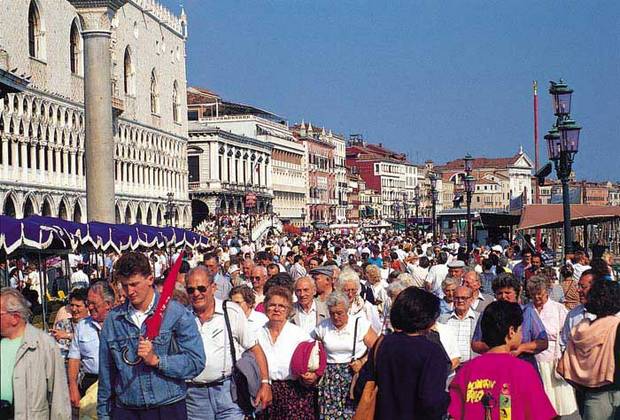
x=368 y=399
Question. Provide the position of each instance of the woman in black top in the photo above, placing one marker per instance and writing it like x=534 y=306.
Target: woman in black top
x=411 y=370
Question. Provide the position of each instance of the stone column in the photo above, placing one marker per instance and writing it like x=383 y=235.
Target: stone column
x=73 y=175
x=41 y=167
x=214 y=164
x=22 y=152
x=96 y=16
x=5 y=155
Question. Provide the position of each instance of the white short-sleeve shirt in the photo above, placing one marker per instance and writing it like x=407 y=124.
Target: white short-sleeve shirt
x=217 y=345
x=280 y=352
x=256 y=320
x=339 y=342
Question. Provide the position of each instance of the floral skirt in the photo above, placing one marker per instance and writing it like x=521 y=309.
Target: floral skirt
x=291 y=401
x=334 y=402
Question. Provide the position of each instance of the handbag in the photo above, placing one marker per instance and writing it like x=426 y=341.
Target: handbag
x=362 y=360
x=245 y=376
x=368 y=400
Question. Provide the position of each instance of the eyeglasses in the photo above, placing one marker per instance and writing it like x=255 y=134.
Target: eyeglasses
x=461 y=297
x=201 y=289
x=256 y=278
x=273 y=306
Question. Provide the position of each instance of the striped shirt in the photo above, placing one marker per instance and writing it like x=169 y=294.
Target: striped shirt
x=464 y=329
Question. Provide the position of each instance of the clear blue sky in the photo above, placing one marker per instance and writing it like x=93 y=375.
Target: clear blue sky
x=434 y=78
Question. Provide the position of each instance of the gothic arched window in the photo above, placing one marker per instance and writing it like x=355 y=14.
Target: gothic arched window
x=128 y=73
x=75 y=48
x=34 y=31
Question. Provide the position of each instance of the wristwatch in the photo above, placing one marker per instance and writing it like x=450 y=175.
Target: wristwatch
x=265 y=381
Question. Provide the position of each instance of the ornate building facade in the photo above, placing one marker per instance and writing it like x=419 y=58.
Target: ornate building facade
x=42 y=166
x=320 y=148
x=260 y=138
x=498 y=180
x=388 y=173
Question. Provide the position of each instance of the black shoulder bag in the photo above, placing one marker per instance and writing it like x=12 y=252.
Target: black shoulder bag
x=239 y=387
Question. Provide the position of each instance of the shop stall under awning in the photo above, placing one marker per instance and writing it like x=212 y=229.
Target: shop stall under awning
x=551 y=215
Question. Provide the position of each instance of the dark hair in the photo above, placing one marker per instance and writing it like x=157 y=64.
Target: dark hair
x=79 y=293
x=599 y=266
x=184 y=267
x=297 y=257
x=442 y=258
x=504 y=280
x=209 y=256
x=317 y=259
x=487 y=264
x=526 y=251
x=246 y=293
x=497 y=318
x=566 y=271
x=280 y=279
x=132 y=263
x=271 y=266
x=604 y=298
x=414 y=310
x=424 y=262
x=393 y=276
x=262 y=255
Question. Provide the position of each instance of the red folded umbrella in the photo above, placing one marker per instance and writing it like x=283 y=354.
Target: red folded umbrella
x=153 y=323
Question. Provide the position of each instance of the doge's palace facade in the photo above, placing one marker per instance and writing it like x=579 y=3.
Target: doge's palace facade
x=42 y=166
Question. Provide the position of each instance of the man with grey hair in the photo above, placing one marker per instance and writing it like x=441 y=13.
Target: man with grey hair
x=479 y=300
x=33 y=382
x=84 y=350
x=463 y=320
x=220 y=322
x=448 y=286
x=307 y=312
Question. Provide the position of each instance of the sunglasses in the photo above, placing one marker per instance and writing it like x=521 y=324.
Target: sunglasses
x=256 y=278
x=191 y=290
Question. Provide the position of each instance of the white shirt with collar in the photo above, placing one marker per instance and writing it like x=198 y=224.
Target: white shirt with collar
x=217 y=345
x=280 y=352
x=138 y=317
x=339 y=342
x=307 y=320
x=463 y=331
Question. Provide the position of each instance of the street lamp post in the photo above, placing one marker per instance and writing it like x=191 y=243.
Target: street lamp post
x=303 y=218
x=434 y=194
x=562 y=145
x=396 y=213
x=470 y=185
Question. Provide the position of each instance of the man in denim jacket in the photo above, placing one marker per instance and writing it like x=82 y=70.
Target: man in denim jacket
x=138 y=378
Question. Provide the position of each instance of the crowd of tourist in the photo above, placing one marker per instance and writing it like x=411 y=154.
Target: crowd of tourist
x=301 y=326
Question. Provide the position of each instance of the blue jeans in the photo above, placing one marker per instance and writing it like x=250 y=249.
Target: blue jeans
x=214 y=402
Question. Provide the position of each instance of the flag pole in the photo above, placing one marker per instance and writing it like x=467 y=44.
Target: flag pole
x=536 y=159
